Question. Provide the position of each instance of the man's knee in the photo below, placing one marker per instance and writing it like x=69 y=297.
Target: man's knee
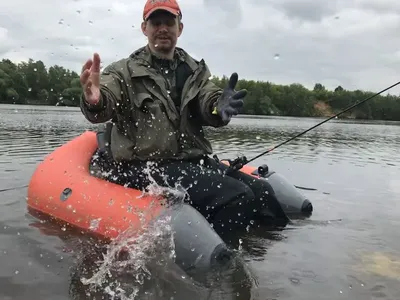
x=244 y=195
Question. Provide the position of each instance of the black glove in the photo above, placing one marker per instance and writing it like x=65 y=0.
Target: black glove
x=230 y=101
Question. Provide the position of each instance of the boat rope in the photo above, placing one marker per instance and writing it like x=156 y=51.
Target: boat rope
x=239 y=162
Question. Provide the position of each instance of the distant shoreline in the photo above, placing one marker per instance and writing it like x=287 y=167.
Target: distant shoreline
x=76 y=109
x=32 y=83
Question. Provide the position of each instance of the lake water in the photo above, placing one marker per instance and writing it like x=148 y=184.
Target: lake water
x=348 y=249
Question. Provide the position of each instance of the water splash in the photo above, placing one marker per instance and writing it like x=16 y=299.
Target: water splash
x=129 y=255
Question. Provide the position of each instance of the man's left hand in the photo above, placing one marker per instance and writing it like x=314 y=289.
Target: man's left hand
x=230 y=102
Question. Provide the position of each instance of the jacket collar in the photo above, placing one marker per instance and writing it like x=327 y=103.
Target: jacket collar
x=141 y=61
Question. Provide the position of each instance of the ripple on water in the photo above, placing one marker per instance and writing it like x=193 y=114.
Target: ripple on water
x=355 y=164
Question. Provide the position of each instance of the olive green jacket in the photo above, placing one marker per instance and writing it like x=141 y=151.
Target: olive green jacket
x=147 y=124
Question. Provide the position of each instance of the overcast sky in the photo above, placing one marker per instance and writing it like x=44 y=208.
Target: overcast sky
x=353 y=43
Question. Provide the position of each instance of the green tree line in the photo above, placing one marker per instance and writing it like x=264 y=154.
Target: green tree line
x=32 y=83
x=266 y=98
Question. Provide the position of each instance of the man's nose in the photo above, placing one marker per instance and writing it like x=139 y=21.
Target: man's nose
x=163 y=28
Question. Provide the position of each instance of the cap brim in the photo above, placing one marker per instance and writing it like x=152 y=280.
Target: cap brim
x=175 y=12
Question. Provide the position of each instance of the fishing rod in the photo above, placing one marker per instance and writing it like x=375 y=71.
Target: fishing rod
x=239 y=162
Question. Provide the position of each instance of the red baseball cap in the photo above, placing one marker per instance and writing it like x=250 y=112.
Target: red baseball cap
x=171 y=6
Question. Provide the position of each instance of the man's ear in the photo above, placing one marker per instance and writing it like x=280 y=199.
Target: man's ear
x=180 y=28
x=144 y=26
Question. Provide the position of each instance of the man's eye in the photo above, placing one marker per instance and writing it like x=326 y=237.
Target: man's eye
x=168 y=22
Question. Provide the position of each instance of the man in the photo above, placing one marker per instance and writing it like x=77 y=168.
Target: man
x=158 y=100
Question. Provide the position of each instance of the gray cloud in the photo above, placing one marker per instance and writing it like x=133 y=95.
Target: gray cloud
x=226 y=12
x=308 y=10
x=351 y=43
x=383 y=6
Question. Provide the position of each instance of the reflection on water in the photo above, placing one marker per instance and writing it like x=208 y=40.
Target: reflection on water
x=349 y=248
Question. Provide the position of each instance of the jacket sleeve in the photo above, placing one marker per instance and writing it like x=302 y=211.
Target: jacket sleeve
x=110 y=94
x=208 y=95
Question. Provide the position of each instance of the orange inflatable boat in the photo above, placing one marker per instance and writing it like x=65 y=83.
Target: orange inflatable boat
x=63 y=188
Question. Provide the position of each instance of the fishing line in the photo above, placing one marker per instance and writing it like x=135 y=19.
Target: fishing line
x=240 y=162
x=13 y=188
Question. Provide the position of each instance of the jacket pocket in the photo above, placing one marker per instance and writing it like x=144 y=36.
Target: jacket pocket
x=155 y=135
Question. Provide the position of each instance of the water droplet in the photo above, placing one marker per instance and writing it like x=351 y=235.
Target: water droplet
x=295 y=280
x=29 y=89
x=78 y=11
x=16 y=272
x=156 y=45
x=166 y=71
x=276 y=56
x=90 y=22
x=34 y=70
x=94 y=224
x=61 y=22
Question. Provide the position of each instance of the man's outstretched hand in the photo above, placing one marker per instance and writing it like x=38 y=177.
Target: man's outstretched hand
x=90 y=80
x=230 y=102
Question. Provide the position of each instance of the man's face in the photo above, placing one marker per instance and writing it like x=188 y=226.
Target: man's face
x=162 y=30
